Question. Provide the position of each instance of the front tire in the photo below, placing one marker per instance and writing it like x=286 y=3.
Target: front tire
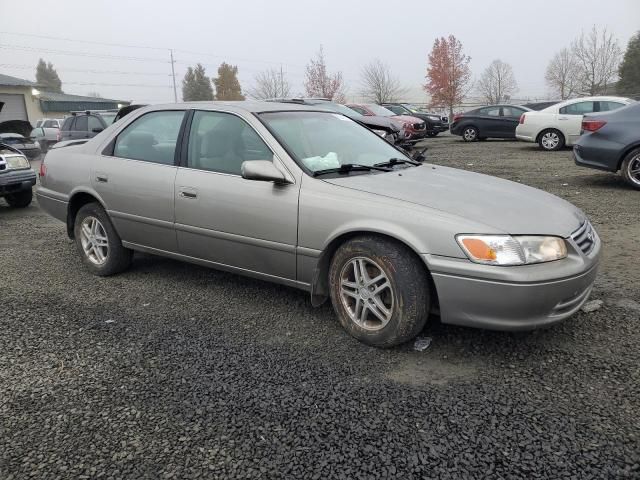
x=98 y=242
x=470 y=134
x=631 y=168
x=379 y=291
x=20 y=199
x=551 y=140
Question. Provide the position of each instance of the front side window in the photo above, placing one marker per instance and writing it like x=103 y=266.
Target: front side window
x=81 y=123
x=396 y=109
x=152 y=137
x=108 y=118
x=579 y=108
x=221 y=142
x=320 y=141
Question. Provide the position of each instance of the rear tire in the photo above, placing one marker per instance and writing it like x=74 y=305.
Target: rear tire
x=470 y=134
x=98 y=242
x=630 y=168
x=20 y=199
x=379 y=290
x=551 y=140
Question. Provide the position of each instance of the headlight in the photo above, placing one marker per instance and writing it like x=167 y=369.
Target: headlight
x=512 y=250
x=16 y=162
x=434 y=118
x=382 y=133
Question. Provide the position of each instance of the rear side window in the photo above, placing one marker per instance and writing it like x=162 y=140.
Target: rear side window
x=512 y=112
x=95 y=125
x=66 y=126
x=151 y=138
x=579 y=108
x=491 y=111
x=81 y=124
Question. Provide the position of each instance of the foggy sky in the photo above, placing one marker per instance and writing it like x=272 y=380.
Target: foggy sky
x=256 y=35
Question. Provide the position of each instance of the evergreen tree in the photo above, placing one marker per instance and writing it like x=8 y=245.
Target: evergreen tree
x=196 y=85
x=47 y=77
x=227 y=84
x=630 y=68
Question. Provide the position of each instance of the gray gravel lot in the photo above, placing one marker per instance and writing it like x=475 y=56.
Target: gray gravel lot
x=175 y=371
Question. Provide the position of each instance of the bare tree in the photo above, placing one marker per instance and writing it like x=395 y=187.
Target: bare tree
x=563 y=74
x=497 y=82
x=378 y=84
x=270 y=84
x=598 y=56
x=319 y=83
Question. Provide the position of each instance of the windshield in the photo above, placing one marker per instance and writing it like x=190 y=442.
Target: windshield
x=108 y=117
x=381 y=111
x=414 y=109
x=321 y=141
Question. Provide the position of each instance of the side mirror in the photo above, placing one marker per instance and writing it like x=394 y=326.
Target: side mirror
x=263 y=171
x=97 y=130
x=420 y=156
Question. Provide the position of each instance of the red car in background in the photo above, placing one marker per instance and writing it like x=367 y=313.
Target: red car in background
x=414 y=128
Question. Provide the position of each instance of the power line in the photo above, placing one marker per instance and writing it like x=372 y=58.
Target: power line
x=76 y=40
x=97 y=84
x=78 y=70
x=80 y=54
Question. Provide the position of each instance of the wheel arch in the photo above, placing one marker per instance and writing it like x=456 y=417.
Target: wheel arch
x=320 y=281
x=77 y=200
x=626 y=152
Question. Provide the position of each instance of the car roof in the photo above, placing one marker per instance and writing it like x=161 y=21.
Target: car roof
x=250 y=106
x=591 y=99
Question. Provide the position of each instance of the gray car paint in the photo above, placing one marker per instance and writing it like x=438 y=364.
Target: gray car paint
x=283 y=232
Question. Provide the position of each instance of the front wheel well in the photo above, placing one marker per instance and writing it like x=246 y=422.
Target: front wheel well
x=320 y=282
x=76 y=202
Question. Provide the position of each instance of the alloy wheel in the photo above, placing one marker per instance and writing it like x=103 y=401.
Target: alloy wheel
x=633 y=169
x=93 y=238
x=366 y=293
x=470 y=134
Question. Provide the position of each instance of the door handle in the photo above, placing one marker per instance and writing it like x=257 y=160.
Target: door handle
x=188 y=194
x=102 y=178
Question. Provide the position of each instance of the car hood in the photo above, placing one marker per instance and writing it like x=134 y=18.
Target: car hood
x=505 y=206
x=376 y=121
x=21 y=127
x=407 y=118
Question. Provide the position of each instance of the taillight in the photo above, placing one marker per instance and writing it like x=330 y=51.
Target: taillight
x=457 y=117
x=58 y=136
x=522 y=119
x=593 y=125
x=43 y=169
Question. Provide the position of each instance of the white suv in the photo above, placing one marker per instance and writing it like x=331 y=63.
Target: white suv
x=559 y=125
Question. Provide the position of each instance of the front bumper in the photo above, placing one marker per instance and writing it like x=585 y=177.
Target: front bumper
x=513 y=298
x=17 y=181
x=601 y=155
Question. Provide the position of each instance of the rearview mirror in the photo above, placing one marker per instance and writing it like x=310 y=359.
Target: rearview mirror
x=97 y=130
x=262 y=170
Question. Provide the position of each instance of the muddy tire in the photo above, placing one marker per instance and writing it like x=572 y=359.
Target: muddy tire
x=20 y=199
x=379 y=290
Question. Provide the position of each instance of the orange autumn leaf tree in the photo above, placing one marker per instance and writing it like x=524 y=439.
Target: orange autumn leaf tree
x=448 y=73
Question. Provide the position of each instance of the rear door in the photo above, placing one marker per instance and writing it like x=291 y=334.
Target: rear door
x=570 y=119
x=224 y=218
x=490 y=122
x=511 y=119
x=135 y=177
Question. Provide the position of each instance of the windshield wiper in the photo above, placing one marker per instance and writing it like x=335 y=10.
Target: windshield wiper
x=348 y=167
x=397 y=161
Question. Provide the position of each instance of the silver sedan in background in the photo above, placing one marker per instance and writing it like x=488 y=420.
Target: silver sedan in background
x=314 y=200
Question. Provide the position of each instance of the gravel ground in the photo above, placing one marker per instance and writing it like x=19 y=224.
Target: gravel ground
x=175 y=371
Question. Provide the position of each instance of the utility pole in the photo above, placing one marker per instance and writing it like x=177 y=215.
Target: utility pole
x=173 y=75
x=281 y=83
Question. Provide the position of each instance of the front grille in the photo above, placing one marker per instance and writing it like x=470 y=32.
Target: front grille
x=419 y=126
x=585 y=237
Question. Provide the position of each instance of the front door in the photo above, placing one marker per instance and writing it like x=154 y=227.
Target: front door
x=223 y=218
x=136 y=179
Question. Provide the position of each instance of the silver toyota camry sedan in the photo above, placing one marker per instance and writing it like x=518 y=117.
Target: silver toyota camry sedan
x=315 y=200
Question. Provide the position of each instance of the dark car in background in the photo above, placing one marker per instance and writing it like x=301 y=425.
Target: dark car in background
x=537 y=106
x=414 y=128
x=494 y=121
x=86 y=124
x=387 y=128
x=434 y=123
x=610 y=141
x=16 y=177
